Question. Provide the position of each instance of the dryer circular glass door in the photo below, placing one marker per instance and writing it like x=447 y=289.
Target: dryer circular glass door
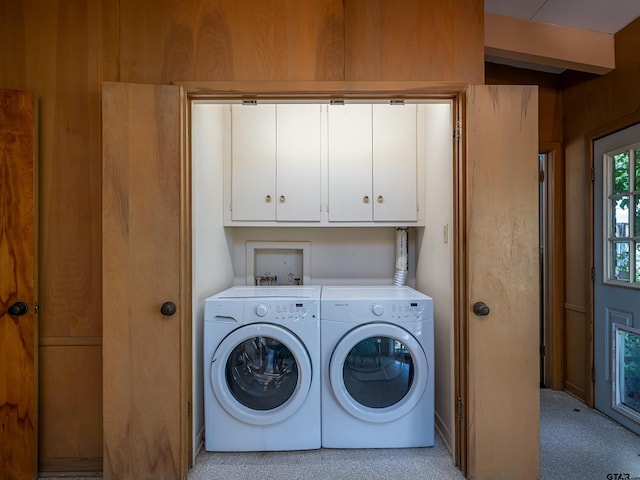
x=378 y=372
x=261 y=373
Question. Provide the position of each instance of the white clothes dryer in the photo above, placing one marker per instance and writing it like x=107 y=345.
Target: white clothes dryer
x=377 y=367
x=261 y=369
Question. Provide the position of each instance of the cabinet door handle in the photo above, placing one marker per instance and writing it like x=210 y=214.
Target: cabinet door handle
x=282 y=198
x=365 y=199
x=268 y=198
x=380 y=198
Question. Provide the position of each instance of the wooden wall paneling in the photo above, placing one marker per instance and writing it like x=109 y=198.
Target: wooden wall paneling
x=575 y=354
x=70 y=173
x=468 y=38
x=198 y=40
x=71 y=389
x=20 y=65
x=409 y=40
x=315 y=35
x=109 y=48
x=13 y=60
x=141 y=45
x=287 y=40
x=77 y=48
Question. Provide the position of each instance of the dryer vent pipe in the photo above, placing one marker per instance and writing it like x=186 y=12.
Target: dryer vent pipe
x=402 y=257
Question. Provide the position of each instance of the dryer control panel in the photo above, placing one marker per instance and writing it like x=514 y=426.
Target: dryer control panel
x=399 y=311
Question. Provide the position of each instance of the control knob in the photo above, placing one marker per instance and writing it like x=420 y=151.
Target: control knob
x=262 y=310
x=377 y=309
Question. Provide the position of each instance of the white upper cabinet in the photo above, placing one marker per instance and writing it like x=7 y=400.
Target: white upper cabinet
x=350 y=163
x=372 y=163
x=253 y=165
x=275 y=163
x=298 y=162
x=318 y=164
x=394 y=163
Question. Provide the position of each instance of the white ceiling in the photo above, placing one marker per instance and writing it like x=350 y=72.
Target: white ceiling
x=604 y=16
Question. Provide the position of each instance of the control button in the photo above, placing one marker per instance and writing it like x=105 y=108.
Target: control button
x=377 y=309
x=262 y=310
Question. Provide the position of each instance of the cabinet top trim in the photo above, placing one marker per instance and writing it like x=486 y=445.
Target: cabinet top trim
x=321 y=90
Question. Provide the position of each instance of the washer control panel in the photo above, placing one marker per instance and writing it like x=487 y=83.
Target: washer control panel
x=293 y=311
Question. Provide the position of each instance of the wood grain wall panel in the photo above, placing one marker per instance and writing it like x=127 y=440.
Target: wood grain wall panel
x=198 y=41
x=20 y=65
x=70 y=173
x=13 y=61
x=71 y=381
x=408 y=40
x=577 y=179
x=575 y=374
x=287 y=40
x=141 y=45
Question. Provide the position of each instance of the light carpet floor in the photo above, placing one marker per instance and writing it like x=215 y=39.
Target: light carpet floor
x=577 y=443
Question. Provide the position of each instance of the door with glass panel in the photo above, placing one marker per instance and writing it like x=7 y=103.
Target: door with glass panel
x=617 y=276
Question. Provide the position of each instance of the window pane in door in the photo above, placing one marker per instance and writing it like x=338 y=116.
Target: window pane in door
x=636 y=224
x=637 y=270
x=628 y=369
x=621 y=173
x=620 y=217
x=637 y=162
x=620 y=263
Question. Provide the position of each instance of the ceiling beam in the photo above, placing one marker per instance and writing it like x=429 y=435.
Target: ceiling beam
x=550 y=45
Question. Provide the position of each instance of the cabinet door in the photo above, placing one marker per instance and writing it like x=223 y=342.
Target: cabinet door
x=253 y=162
x=298 y=162
x=394 y=163
x=145 y=262
x=350 y=163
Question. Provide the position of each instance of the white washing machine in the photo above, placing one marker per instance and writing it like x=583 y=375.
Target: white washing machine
x=261 y=369
x=377 y=367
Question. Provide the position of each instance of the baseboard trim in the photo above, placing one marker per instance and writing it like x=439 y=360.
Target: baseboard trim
x=70 y=467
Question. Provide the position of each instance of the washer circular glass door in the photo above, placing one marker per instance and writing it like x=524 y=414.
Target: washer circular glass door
x=261 y=373
x=378 y=372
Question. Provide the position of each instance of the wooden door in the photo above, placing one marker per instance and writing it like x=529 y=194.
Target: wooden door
x=146 y=263
x=501 y=228
x=18 y=288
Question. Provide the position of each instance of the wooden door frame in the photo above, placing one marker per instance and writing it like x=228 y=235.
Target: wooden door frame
x=461 y=305
x=311 y=90
x=554 y=278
